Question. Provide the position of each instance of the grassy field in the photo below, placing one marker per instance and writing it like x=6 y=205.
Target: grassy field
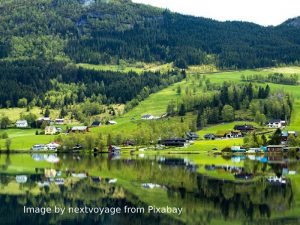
x=24 y=139
x=14 y=113
x=137 y=68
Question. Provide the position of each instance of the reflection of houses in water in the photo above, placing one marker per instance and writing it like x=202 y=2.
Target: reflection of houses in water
x=227 y=168
x=178 y=162
x=252 y=200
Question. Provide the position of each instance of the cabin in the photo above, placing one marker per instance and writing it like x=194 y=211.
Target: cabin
x=286 y=134
x=114 y=149
x=42 y=120
x=229 y=134
x=50 y=130
x=22 y=124
x=234 y=134
x=173 y=142
x=209 y=137
x=79 y=129
x=111 y=122
x=237 y=149
x=96 y=124
x=59 y=121
x=275 y=148
x=244 y=128
x=192 y=136
x=277 y=123
x=149 y=117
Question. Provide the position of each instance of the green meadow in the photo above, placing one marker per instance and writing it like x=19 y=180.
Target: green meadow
x=127 y=67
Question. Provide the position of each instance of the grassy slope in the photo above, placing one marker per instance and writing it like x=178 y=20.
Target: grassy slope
x=128 y=68
x=14 y=113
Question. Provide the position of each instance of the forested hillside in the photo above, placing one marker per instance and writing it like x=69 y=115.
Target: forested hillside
x=99 y=31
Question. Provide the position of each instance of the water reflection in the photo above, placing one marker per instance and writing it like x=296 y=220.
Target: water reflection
x=244 y=191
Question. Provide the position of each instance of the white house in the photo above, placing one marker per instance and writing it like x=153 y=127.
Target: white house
x=149 y=117
x=21 y=124
x=50 y=130
x=276 y=123
x=111 y=122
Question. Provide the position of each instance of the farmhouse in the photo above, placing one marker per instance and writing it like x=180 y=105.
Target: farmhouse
x=96 y=124
x=48 y=119
x=79 y=129
x=277 y=123
x=21 y=124
x=237 y=149
x=244 y=128
x=192 y=136
x=114 y=149
x=173 y=142
x=111 y=122
x=209 y=137
x=59 y=121
x=275 y=148
x=286 y=134
x=229 y=134
x=50 y=130
x=149 y=117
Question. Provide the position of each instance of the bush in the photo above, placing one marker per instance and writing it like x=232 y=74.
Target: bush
x=4 y=135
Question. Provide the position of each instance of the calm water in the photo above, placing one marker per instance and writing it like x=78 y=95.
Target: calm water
x=210 y=189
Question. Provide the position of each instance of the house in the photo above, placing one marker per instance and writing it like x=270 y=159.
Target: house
x=209 y=137
x=275 y=148
x=114 y=149
x=244 y=128
x=59 y=121
x=22 y=124
x=96 y=124
x=173 y=142
x=42 y=119
x=229 y=134
x=192 y=136
x=234 y=134
x=277 y=123
x=79 y=129
x=111 y=122
x=237 y=149
x=286 y=134
x=50 y=130
x=149 y=117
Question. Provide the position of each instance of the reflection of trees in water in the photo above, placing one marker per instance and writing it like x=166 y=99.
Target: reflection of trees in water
x=82 y=193
x=245 y=201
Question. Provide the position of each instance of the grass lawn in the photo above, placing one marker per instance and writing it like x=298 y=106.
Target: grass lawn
x=24 y=139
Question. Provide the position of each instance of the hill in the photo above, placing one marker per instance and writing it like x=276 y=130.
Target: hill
x=102 y=31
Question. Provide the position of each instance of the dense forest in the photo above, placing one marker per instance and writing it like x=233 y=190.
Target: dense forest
x=103 y=31
x=57 y=84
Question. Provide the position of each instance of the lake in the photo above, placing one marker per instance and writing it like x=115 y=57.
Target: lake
x=149 y=189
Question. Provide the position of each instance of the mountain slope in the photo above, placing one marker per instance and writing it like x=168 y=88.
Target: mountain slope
x=99 y=31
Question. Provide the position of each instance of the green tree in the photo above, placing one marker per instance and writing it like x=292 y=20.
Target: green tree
x=171 y=108
x=47 y=112
x=276 y=137
x=8 y=144
x=4 y=122
x=22 y=103
x=181 y=111
x=228 y=113
x=260 y=118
